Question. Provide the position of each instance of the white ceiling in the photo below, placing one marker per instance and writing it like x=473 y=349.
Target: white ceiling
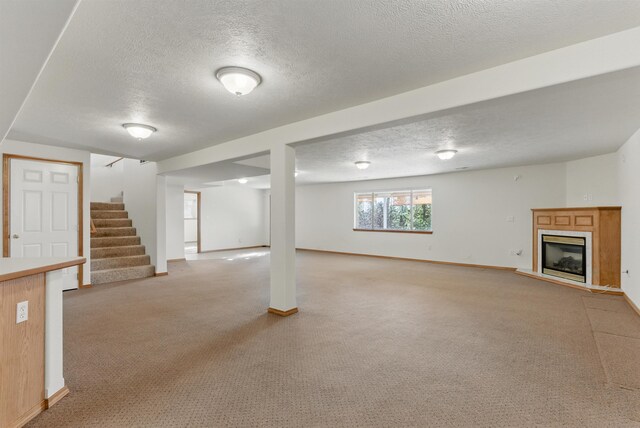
x=564 y=122
x=152 y=61
x=213 y=173
x=28 y=32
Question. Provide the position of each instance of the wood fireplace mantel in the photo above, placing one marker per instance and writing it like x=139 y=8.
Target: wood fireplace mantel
x=604 y=225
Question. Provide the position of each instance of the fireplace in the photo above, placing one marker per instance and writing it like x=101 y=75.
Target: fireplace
x=564 y=257
x=596 y=258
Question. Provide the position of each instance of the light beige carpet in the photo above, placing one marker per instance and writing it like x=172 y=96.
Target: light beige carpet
x=376 y=343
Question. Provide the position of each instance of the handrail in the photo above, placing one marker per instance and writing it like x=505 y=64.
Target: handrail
x=110 y=164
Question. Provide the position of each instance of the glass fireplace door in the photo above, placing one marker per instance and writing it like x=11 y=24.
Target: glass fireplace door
x=564 y=257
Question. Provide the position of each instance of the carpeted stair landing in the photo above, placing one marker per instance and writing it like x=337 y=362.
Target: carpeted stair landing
x=116 y=251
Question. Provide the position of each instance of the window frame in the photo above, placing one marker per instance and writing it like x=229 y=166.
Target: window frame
x=373 y=197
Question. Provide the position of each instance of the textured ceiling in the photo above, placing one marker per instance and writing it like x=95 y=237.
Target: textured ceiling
x=28 y=32
x=564 y=122
x=152 y=61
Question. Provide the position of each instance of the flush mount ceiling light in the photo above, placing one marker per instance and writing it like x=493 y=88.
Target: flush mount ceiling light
x=138 y=130
x=362 y=164
x=446 y=154
x=238 y=80
x=243 y=181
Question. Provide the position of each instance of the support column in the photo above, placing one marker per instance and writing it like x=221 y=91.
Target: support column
x=283 y=243
x=161 y=225
x=54 y=387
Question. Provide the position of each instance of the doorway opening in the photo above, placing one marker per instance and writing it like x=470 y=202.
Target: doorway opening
x=191 y=222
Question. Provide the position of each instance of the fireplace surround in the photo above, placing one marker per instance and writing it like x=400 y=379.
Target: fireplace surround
x=600 y=254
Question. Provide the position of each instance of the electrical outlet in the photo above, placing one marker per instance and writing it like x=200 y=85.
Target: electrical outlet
x=22 y=312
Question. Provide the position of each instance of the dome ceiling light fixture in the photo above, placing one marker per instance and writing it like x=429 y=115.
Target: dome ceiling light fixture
x=243 y=181
x=362 y=164
x=237 y=80
x=138 y=130
x=446 y=154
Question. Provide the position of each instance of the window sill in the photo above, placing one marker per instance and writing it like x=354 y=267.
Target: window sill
x=422 y=232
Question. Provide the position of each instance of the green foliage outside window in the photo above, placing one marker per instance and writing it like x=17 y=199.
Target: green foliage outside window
x=422 y=217
x=402 y=210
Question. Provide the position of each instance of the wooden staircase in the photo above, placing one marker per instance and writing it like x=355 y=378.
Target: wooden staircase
x=116 y=251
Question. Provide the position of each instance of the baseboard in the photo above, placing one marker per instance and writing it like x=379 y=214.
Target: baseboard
x=282 y=313
x=86 y=285
x=233 y=249
x=505 y=268
x=162 y=273
x=57 y=396
x=177 y=260
x=30 y=414
x=633 y=305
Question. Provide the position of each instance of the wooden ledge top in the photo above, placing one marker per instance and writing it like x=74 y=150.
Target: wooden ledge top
x=578 y=209
x=17 y=267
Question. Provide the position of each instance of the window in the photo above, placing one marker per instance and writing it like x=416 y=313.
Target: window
x=397 y=211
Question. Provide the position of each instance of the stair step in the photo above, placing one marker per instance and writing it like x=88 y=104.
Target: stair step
x=113 y=222
x=109 y=214
x=113 y=231
x=109 y=206
x=115 y=241
x=119 y=262
x=129 y=250
x=122 y=274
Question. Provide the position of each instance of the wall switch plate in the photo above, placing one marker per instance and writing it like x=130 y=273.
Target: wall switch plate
x=510 y=219
x=22 y=312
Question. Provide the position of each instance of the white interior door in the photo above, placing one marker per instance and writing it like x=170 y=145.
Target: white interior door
x=44 y=212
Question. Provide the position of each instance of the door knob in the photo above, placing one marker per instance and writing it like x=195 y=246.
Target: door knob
x=15 y=236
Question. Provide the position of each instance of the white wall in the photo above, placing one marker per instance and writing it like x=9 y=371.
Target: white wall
x=470 y=212
x=145 y=201
x=175 y=222
x=266 y=219
x=232 y=217
x=629 y=179
x=593 y=181
x=106 y=182
x=190 y=230
x=50 y=152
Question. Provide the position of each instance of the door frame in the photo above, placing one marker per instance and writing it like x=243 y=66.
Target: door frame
x=6 y=203
x=198 y=197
